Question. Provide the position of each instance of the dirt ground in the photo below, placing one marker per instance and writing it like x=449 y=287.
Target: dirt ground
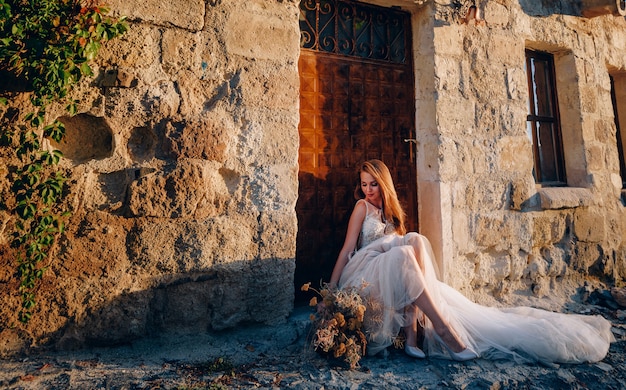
x=273 y=357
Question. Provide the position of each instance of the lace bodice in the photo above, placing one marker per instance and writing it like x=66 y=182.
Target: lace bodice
x=373 y=226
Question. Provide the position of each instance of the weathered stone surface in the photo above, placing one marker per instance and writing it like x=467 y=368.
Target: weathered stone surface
x=589 y=226
x=188 y=14
x=563 y=198
x=87 y=137
x=206 y=140
x=259 y=24
x=183 y=180
x=137 y=50
x=189 y=190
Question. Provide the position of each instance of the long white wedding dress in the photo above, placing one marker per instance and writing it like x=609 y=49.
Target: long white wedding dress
x=387 y=266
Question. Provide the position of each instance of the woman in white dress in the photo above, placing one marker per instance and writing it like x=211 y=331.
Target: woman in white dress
x=398 y=272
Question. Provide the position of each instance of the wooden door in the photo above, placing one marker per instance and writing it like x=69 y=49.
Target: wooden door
x=352 y=109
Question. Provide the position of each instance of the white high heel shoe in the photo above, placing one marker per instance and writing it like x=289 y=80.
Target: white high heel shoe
x=467 y=354
x=414 y=352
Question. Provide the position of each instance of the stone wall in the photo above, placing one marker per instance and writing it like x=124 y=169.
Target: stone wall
x=183 y=166
x=475 y=161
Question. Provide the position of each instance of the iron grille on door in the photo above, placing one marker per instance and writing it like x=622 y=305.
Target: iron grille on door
x=352 y=29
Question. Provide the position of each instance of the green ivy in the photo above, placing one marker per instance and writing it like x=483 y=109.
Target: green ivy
x=45 y=46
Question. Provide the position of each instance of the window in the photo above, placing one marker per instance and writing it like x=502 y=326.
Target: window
x=543 y=126
x=618 y=95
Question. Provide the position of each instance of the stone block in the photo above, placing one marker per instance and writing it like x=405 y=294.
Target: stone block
x=87 y=137
x=496 y=15
x=257 y=82
x=516 y=83
x=536 y=269
x=275 y=230
x=619 y=294
x=455 y=113
x=544 y=230
x=587 y=255
x=519 y=262
x=118 y=77
x=494 y=231
x=482 y=194
x=589 y=99
x=554 y=198
x=460 y=230
x=555 y=256
x=492 y=268
x=187 y=14
x=448 y=75
x=187 y=191
x=605 y=131
x=139 y=48
x=514 y=154
x=166 y=247
x=448 y=41
x=180 y=50
x=520 y=194
x=251 y=35
x=206 y=139
x=506 y=49
x=271 y=138
x=138 y=106
x=596 y=158
x=589 y=226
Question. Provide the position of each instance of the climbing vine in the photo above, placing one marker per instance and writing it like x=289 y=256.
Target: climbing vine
x=45 y=48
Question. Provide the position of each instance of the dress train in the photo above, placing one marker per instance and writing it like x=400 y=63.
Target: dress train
x=392 y=279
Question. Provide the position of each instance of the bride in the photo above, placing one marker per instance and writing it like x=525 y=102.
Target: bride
x=397 y=270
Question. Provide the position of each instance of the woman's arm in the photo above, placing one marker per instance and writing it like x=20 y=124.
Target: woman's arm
x=352 y=236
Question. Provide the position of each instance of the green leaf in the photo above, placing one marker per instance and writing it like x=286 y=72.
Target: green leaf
x=6 y=137
x=24 y=316
x=48 y=44
x=37 y=121
x=86 y=69
x=32 y=168
x=33 y=179
x=71 y=108
x=26 y=211
x=29 y=304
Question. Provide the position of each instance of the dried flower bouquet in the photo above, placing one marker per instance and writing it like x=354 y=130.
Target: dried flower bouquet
x=337 y=323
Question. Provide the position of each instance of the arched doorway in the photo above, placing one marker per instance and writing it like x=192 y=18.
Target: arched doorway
x=356 y=103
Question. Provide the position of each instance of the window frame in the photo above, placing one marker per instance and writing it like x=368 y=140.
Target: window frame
x=550 y=118
x=618 y=134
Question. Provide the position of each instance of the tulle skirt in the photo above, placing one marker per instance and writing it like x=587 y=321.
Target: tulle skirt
x=391 y=278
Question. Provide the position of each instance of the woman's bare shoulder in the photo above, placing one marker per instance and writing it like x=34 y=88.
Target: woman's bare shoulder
x=360 y=204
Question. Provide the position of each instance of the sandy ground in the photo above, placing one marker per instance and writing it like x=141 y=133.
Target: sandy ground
x=272 y=357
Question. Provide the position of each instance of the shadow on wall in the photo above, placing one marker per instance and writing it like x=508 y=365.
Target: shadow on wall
x=87 y=137
x=322 y=226
x=226 y=296
x=585 y=8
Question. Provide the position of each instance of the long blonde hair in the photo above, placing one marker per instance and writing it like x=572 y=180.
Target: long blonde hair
x=392 y=210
